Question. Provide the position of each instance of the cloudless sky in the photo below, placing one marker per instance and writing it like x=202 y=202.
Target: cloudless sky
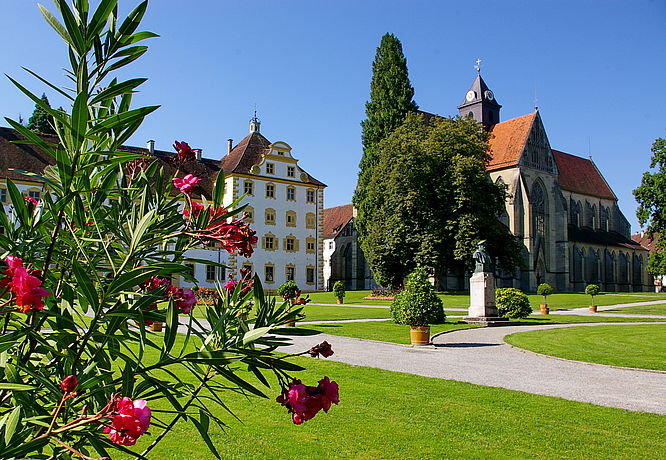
x=596 y=68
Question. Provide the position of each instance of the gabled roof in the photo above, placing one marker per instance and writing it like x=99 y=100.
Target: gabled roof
x=507 y=141
x=646 y=240
x=335 y=220
x=600 y=237
x=21 y=156
x=580 y=175
x=247 y=153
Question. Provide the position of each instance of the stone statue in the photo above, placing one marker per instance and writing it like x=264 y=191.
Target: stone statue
x=483 y=261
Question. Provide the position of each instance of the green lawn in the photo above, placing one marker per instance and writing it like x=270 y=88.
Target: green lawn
x=385 y=331
x=659 y=309
x=642 y=346
x=391 y=415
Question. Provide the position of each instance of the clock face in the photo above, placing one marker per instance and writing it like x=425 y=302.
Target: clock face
x=489 y=95
x=470 y=96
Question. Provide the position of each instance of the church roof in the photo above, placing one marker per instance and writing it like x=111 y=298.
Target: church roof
x=247 y=153
x=335 y=220
x=600 y=237
x=580 y=175
x=507 y=141
x=481 y=92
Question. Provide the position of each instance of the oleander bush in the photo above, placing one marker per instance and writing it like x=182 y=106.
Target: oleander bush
x=512 y=303
x=418 y=304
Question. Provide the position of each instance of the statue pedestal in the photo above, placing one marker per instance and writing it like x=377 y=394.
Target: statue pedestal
x=482 y=309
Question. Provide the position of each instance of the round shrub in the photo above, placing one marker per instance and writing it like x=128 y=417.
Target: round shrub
x=592 y=290
x=339 y=289
x=544 y=289
x=512 y=303
x=288 y=290
x=418 y=304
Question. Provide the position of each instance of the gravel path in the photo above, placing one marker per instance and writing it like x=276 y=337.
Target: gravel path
x=480 y=356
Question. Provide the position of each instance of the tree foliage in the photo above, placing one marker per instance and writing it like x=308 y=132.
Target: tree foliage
x=431 y=200
x=651 y=197
x=40 y=121
x=391 y=99
x=418 y=304
x=512 y=303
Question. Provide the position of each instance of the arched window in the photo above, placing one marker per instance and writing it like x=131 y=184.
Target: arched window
x=291 y=218
x=269 y=216
x=310 y=220
x=539 y=210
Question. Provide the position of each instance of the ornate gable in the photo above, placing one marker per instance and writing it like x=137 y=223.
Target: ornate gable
x=537 y=153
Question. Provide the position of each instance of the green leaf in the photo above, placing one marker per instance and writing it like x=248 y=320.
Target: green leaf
x=18 y=202
x=131 y=278
x=85 y=284
x=120 y=88
x=171 y=328
x=72 y=27
x=56 y=25
x=140 y=230
x=48 y=83
x=100 y=17
x=80 y=118
x=218 y=190
x=123 y=119
x=254 y=334
x=32 y=137
x=202 y=425
x=16 y=386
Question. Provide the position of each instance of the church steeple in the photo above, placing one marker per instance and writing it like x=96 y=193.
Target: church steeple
x=480 y=103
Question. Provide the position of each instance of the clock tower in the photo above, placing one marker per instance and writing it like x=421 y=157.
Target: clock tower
x=480 y=104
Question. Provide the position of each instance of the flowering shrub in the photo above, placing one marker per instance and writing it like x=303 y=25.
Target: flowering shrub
x=418 y=304
x=512 y=303
x=94 y=258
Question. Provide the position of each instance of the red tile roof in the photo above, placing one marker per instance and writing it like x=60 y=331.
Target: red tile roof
x=335 y=220
x=247 y=153
x=507 y=141
x=21 y=156
x=580 y=175
x=649 y=242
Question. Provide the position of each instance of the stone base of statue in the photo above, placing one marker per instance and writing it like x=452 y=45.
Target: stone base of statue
x=482 y=309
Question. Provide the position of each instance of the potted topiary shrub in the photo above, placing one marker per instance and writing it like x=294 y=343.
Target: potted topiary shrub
x=592 y=290
x=512 y=303
x=339 y=291
x=289 y=291
x=544 y=289
x=418 y=306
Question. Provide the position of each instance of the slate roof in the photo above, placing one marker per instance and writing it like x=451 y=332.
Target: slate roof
x=507 y=141
x=581 y=175
x=649 y=242
x=247 y=153
x=600 y=237
x=335 y=220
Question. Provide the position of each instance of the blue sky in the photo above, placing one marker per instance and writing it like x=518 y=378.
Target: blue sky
x=596 y=67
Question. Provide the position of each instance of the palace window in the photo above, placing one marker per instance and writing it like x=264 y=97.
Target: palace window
x=248 y=266
x=290 y=272
x=270 y=168
x=310 y=196
x=270 y=191
x=270 y=243
x=270 y=216
x=248 y=187
x=309 y=275
x=190 y=269
x=291 y=171
x=291 y=218
x=210 y=272
x=310 y=220
x=291 y=244
x=269 y=273
x=3 y=195
x=34 y=194
x=249 y=213
x=310 y=245
x=291 y=193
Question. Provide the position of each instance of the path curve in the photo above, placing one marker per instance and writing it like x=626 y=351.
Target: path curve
x=480 y=356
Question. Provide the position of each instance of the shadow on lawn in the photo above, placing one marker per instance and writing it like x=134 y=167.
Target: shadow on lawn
x=466 y=345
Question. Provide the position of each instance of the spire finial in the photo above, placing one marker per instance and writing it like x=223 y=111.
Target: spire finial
x=254 y=121
x=478 y=66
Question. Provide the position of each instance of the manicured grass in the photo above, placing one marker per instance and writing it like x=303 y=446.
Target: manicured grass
x=659 y=309
x=385 y=331
x=389 y=415
x=642 y=346
x=563 y=319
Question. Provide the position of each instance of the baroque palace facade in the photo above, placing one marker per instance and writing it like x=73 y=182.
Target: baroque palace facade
x=285 y=205
x=559 y=205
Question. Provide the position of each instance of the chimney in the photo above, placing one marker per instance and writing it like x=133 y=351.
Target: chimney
x=197 y=153
x=150 y=145
x=230 y=145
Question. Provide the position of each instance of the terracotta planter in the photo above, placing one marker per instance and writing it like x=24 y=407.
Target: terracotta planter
x=340 y=300
x=592 y=308
x=420 y=335
x=543 y=307
x=156 y=327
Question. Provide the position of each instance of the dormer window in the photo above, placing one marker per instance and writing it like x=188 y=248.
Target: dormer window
x=270 y=168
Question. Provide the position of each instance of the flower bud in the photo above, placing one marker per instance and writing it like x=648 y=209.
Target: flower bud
x=69 y=383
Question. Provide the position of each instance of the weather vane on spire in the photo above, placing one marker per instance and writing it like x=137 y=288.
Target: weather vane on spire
x=478 y=65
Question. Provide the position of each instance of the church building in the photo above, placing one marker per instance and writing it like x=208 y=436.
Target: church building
x=559 y=205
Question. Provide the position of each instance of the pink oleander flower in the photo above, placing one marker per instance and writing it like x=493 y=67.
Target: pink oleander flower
x=186 y=184
x=196 y=210
x=130 y=420
x=30 y=200
x=304 y=402
x=185 y=152
x=155 y=282
x=323 y=349
x=27 y=290
x=185 y=300
x=13 y=263
x=69 y=383
x=230 y=285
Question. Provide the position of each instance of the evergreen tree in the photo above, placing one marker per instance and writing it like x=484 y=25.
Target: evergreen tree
x=391 y=98
x=651 y=197
x=41 y=121
x=430 y=200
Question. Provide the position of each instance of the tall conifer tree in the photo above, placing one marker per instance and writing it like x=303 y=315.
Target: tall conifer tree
x=391 y=99
x=41 y=121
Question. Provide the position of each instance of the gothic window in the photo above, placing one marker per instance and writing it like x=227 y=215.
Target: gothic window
x=623 y=269
x=539 y=207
